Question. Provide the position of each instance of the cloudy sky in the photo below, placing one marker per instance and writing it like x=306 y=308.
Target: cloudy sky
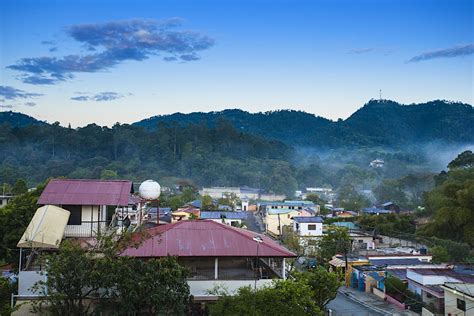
x=110 y=61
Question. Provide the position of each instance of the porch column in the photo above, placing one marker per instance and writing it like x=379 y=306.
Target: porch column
x=216 y=268
x=283 y=269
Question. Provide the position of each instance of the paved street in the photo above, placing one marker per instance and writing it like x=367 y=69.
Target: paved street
x=252 y=223
x=344 y=306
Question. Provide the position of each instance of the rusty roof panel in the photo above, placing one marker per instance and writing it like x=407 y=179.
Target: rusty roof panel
x=86 y=192
x=205 y=238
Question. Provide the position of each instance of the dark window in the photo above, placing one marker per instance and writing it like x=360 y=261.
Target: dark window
x=461 y=304
x=311 y=227
x=1 y=202
x=76 y=214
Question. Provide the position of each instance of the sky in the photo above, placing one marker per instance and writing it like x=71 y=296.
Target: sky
x=104 y=61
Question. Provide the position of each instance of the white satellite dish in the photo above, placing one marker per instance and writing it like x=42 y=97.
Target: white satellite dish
x=149 y=190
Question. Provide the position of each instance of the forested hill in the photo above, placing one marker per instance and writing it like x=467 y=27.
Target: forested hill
x=16 y=119
x=377 y=123
x=285 y=125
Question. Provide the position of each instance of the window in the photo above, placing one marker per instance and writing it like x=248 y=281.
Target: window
x=461 y=304
x=311 y=227
x=76 y=214
x=1 y=202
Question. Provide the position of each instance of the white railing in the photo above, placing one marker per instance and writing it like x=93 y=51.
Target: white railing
x=202 y=287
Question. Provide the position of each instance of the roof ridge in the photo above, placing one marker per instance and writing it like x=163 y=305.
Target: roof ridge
x=237 y=230
x=95 y=180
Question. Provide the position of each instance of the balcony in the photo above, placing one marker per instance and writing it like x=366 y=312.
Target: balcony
x=87 y=229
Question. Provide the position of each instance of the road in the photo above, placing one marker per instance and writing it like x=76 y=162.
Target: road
x=344 y=306
x=252 y=223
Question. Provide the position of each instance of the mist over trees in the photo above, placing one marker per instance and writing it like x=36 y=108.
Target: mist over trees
x=279 y=151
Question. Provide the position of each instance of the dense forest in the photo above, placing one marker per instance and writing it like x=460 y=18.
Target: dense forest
x=377 y=123
x=233 y=148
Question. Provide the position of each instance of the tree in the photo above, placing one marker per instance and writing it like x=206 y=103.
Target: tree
x=464 y=160
x=87 y=281
x=336 y=240
x=107 y=174
x=19 y=187
x=14 y=218
x=207 y=203
x=391 y=190
x=350 y=199
x=323 y=285
x=440 y=254
x=6 y=291
x=313 y=197
x=282 y=298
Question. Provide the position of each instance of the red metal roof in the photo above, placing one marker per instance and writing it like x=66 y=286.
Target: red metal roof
x=205 y=238
x=86 y=192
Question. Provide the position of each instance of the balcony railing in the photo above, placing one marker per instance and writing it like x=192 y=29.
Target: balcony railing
x=87 y=229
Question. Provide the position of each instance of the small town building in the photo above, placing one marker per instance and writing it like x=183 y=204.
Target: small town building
x=339 y=262
x=458 y=298
x=367 y=277
x=374 y=210
x=185 y=213
x=427 y=284
x=92 y=203
x=216 y=255
x=5 y=199
x=229 y=218
x=308 y=226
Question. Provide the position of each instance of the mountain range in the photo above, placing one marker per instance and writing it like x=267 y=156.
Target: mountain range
x=378 y=123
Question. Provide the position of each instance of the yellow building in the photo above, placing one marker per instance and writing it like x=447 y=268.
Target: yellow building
x=338 y=263
x=276 y=219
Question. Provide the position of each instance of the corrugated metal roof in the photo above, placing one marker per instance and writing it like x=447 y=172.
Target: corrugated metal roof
x=205 y=238
x=217 y=215
x=397 y=261
x=308 y=219
x=86 y=192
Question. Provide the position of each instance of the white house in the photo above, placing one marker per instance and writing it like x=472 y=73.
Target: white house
x=5 y=199
x=458 y=299
x=308 y=226
x=91 y=203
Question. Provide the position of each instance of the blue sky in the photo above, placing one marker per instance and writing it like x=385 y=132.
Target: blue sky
x=120 y=61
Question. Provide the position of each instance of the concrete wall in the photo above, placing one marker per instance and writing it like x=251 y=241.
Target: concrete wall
x=201 y=287
x=378 y=293
x=303 y=230
x=26 y=280
x=450 y=304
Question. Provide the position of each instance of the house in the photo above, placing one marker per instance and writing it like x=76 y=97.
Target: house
x=185 y=213
x=216 y=255
x=240 y=192
x=194 y=204
x=277 y=215
x=308 y=226
x=458 y=298
x=367 y=277
x=339 y=262
x=92 y=203
x=375 y=211
x=229 y=218
x=377 y=163
x=390 y=206
x=361 y=240
x=164 y=214
x=427 y=284
x=5 y=199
